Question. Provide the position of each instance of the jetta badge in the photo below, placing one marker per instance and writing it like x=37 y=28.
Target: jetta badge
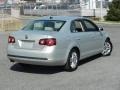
x=26 y=37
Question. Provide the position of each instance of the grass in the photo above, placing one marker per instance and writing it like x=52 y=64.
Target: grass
x=108 y=22
x=13 y=24
x=97 y=20
x=10 y=24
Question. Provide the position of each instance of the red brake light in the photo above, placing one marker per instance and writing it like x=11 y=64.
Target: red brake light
x=11 y=39
x=47 y=41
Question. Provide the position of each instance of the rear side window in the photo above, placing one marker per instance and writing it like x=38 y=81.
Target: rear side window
x=45 y=25
x=76 y=26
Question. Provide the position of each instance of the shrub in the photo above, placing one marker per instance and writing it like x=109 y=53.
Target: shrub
x=113 y=14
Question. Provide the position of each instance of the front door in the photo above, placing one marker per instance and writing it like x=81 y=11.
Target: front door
x=95 y=36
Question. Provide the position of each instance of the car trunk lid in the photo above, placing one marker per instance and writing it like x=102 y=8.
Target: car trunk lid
x=30 y=39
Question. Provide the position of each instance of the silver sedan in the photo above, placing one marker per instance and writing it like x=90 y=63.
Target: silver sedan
x=58 y=41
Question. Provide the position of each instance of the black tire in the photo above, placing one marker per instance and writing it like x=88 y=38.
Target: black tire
x=73 y=54
x=108 y=47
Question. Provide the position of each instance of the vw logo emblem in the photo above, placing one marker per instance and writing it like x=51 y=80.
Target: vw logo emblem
x=26 y=37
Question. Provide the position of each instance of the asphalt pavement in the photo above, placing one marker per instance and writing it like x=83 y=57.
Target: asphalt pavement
x=94 y=73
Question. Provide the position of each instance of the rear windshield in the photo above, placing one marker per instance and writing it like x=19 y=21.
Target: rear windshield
x=45 y=25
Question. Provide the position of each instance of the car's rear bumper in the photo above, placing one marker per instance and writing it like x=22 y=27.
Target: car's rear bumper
x=36 y=60
x=48 y=56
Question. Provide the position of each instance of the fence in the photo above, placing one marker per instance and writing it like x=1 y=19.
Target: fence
x=10 y=18
x=60 y=9
x=76 y=12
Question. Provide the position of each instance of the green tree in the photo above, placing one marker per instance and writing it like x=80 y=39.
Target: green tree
x=113 y=14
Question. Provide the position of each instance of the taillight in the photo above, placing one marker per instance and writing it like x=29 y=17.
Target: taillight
x=11 y=39
x=47 y=41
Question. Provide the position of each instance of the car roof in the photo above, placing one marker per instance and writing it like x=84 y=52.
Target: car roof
x=64 y=18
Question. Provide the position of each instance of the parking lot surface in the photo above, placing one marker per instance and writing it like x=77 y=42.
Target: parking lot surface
x=94 y=73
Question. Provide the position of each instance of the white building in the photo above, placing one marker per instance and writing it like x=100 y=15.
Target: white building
x=87 y=4
x=93 y=4
x=52 y=1
x=15 y=1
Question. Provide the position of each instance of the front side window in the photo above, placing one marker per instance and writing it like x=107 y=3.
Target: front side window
x=90 y=26
x=45 y=25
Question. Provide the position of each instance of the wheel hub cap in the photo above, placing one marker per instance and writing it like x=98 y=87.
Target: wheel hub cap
x=73 y=60
x=107 y=48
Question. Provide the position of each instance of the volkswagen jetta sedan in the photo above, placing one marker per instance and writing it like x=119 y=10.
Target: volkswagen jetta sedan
x=58 y=41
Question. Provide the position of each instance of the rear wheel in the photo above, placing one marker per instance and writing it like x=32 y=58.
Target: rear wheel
x=107 y=48
x=72 y=62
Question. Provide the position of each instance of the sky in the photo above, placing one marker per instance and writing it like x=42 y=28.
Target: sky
x=2 y=1
x=9 y=1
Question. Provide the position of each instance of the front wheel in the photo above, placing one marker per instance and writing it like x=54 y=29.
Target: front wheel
x=107 y=49
x=72 y=62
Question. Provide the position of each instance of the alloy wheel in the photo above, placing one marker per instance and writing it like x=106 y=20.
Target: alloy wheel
x=107 y=48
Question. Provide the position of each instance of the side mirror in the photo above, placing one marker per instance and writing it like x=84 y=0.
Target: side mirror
x=101 y=29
